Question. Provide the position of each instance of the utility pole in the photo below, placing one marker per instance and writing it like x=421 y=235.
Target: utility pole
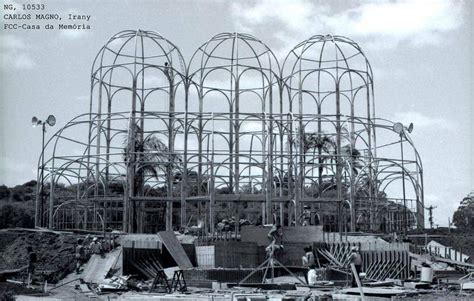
x=430 y=219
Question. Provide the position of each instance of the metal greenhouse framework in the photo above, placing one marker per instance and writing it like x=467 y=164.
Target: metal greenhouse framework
x=231 y=135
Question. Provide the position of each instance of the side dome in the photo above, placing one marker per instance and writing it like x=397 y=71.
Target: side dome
x=140 y=63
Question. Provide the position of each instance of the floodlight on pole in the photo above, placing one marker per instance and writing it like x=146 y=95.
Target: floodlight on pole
x=35 y=121
x=399 y=128
x=51 y=121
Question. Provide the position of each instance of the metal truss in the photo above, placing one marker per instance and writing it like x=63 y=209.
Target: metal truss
x=232 y=135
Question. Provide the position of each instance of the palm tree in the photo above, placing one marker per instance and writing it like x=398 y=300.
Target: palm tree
x=151 y=157
x=323 y=144
x=320 y=141
x=326 y=148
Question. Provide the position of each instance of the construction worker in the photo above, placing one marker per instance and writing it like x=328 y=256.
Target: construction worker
x=32 y=259
x=317 y=218
x=86 y=243
x=105 y=245
x=305 y=217
x=80 y=255
x=112 y=242
x=312 y=276
x=274 y=235
x=356 y=259
x=95 y=247
x=308 y=258
x=167 y=69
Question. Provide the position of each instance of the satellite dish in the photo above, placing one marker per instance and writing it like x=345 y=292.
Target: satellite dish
x=35 y=121
x=410 y=128
x=398 y=128
x=51 y=120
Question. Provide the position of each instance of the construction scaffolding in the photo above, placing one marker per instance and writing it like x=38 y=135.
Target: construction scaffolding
x=232 y=135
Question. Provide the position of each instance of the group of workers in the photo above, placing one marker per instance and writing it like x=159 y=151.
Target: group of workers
x=309 y=261
x=83 y=250
x=312 y=276
x=305 y=219
x=275 y=236
x=89 y=246
x=226 y=225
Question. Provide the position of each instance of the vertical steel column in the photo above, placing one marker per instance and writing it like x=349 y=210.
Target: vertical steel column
x=184 y=181
x=169 y=167
x=212 y=194
x=39 y=196
x=405 y=224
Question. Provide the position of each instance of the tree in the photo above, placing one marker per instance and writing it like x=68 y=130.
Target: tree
x=149 y=156
x=327 y=151
x=195 y=185
x=326 y=148
x=17 y=215
x=463 y=217
x=319 y=141
x=4 y=192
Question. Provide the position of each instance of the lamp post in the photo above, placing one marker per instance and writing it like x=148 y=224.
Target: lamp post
x=39 y=210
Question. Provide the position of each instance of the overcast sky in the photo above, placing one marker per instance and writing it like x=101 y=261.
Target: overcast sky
x=421 y=53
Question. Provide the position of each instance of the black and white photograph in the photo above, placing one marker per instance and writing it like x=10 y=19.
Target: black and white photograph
x=237 y=150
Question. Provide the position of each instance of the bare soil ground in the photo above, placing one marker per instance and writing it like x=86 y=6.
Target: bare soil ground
x=55 y=252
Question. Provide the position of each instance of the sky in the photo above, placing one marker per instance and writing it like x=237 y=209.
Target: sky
x=421 y=53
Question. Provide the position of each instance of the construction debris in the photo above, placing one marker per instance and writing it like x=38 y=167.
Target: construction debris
x=379 y=291
x=98 y=267
x=165 y=265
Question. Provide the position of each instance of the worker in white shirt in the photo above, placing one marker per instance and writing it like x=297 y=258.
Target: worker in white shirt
x=312 y=276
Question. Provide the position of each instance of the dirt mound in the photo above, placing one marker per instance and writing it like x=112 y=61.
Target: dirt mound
x=55 y=252
x=6 y=238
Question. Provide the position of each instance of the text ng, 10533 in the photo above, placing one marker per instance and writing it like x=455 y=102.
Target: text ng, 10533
x=33 y=6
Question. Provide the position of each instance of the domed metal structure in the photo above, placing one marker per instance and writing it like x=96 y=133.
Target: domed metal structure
x=232 y=136
x=330 y=85
x=141 y=72
x=236 y=82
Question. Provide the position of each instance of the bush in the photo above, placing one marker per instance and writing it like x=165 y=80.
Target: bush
x=16 y=197
x=17 y=215
x=463 y=217
x=4 y=192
